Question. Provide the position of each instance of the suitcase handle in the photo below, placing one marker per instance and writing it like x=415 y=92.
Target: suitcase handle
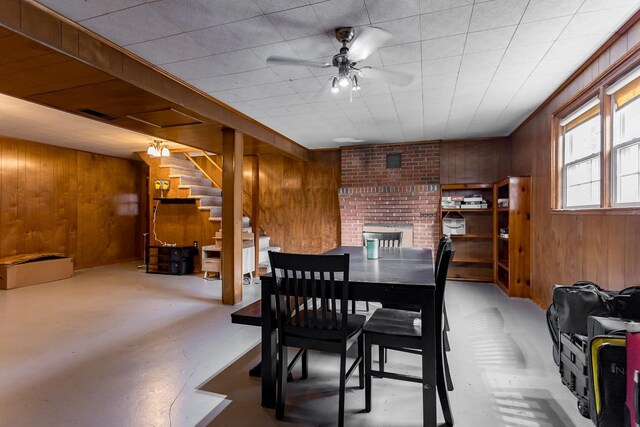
x=636 y=399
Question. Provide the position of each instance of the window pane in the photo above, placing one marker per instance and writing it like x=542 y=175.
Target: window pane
x=583 y=140
x=583 y=183
x=627 y=174
x=628 y=162
x=629 y=121
x=628 y=189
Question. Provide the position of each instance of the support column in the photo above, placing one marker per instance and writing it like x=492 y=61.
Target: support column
x=232 y=155
x=255 y=210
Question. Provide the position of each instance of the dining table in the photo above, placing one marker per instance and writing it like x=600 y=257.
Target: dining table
x=398 y=276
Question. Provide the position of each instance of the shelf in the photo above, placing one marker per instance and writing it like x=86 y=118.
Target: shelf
x=506 y=239
x=471 y=236
x=471 y=279
x=487 y=210
x=472 y=261
x=176 y=200
x=445 y=187
x=503 y=265
x=503 y=209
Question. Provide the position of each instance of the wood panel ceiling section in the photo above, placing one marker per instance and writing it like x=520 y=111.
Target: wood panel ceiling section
x=51 y=61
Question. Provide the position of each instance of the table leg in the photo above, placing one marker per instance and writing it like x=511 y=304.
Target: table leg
x=268 y=347
x=429 y=412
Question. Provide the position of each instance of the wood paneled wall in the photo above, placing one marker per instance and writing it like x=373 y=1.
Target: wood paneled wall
x=474 y=160
x=299 y=201
x=87 y=206
x=567 y=247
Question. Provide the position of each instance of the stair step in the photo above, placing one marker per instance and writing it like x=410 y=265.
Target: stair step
x=177 y=162
x=264 y=241
x=246 y=223
x=175 y=172
x=214 y=211
x=188 y=181
x=208 y=201
x=263 y=255
x=199 y=191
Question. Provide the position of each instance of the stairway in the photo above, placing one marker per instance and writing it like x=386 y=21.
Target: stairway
x=210 y=199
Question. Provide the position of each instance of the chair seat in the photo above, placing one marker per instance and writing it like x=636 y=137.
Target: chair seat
x=355 y=323
x=393 y=322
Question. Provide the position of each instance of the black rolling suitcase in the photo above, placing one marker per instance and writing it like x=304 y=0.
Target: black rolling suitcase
x=607 y=391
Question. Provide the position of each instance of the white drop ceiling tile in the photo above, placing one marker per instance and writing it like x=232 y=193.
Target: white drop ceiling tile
x=80 y=10
x=483 y=60
x=297 y=23
x=445 y=23
x=474 y=80
x=574 y=48
x=443 y=47
x=218 y=39
x=487 y=40
x=498 y=13
x=314 y=47
x=439 y=81
x=539 y=10
x=427 y=6
x=226 y=96
x=539 y=31
x=439 y=98
x=377 y=100
x=514 y=72
x=221 y=83
x=340 y=13
x=400 y=54
x=403 y=30
x=134 y=25
x=591 y=5
x=434 y=67
x=308 y=84
x=198 y=68
x=374 y=60
x=256 y=31
x=528 y=53
x=276 y=89
x=286 y=72
x=189 y=15
x=600 y=22
x=384 y=10
x=268 y=6
x=264 y=103
x=169 y=49
x=372 y=87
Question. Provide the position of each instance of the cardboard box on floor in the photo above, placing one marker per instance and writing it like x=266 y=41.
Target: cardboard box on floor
x=31 y=269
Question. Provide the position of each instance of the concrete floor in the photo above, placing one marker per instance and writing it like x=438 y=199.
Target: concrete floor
x=116 y=347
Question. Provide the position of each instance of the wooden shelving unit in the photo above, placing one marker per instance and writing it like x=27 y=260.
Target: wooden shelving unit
x=512 y=270
x=474 y=259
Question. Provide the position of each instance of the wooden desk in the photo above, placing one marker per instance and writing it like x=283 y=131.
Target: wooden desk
x=401 y=276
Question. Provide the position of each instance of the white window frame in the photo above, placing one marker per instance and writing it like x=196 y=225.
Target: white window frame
x=615 y=149
x=584 y=108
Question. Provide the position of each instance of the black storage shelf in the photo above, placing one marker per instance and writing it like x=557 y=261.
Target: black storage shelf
x=174 y=260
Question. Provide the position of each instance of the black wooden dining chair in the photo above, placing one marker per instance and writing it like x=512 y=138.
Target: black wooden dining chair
x=392 y=328
x=385 y=240
x=382 y=351
x=319 y=320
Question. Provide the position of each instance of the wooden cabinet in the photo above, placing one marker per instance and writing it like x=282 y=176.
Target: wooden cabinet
x=474 y=259
x=512 y=235
x=176 y=260
x=212 y=258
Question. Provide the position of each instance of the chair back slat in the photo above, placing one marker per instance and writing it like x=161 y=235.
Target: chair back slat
x=446 y=257
x=441 y=244
x=385 y=239
x=310 y=284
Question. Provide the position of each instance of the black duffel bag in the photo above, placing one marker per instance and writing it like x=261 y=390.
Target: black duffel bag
x=576 y=303
x=626 y=304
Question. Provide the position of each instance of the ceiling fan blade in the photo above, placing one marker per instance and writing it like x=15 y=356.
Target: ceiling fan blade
x=396 y=78
x=366 y=41
x=282 y=60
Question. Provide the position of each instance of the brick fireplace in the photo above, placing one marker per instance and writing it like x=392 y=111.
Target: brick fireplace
x=374 y=195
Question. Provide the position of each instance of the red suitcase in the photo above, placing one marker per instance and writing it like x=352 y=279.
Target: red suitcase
x=633 y=373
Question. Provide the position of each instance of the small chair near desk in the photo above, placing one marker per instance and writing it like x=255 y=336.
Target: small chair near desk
x=392 y=328
x=314 y=321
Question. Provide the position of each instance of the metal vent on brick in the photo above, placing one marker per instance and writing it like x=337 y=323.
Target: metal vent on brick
x=394 y=161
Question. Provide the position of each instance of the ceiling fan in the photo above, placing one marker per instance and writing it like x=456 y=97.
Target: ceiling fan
x=364 y=41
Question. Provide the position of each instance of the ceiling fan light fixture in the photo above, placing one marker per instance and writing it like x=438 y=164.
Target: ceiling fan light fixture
x=334 y=85
x=164 y=152
x=152 y=150
x=344 y=80
x=356 y=85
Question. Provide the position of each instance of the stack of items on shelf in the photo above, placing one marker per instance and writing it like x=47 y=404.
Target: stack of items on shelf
x=474 y=202
x=595 y=345
x=452 y=202
x=504 y=232
x=503 y=203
